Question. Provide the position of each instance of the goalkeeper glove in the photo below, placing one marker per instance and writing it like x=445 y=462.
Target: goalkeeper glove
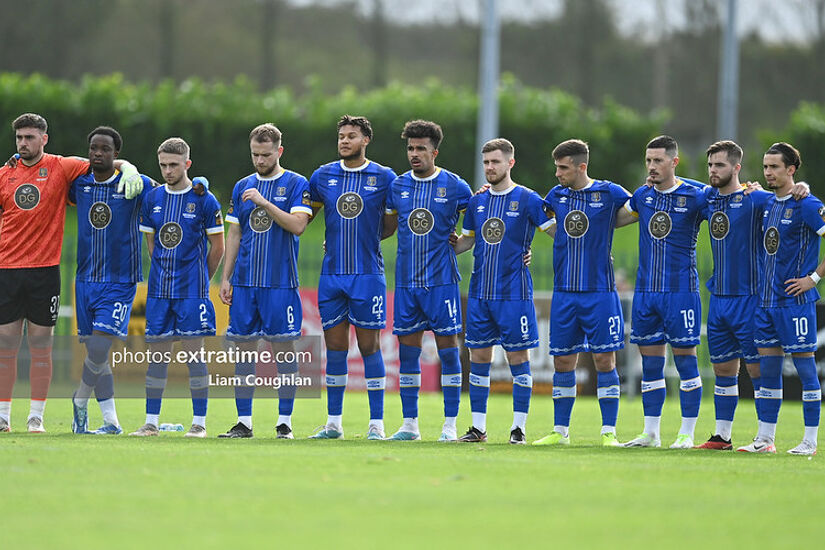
x=131 y=184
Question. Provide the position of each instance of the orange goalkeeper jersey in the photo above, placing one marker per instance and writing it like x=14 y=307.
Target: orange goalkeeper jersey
x=33 y=203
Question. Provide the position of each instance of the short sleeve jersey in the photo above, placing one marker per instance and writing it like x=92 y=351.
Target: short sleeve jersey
x=668 y=229
x=33 y=205
x=428 y=210
x=735 y=227
x=582 y=260
x=268 y=254
x=179 y=222
x=503 y=225
x=790 y=246
x=108 y=239
x=354 y=200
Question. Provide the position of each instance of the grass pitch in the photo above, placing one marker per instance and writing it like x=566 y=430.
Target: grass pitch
x=67 y=491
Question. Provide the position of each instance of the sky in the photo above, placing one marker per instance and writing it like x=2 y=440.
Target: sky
x=782 y=21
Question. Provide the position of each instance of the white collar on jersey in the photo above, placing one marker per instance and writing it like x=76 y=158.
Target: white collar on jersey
x=428 y=178
x=110 y=180
x=499 y=193
x=357 y=169
x=180 y=192
x=679 y=183
x=271 y=178
x=783 y=199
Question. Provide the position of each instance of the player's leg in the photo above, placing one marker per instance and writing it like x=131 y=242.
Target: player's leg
x=683 y=322
x=771 y=358
x=195 y=318
x=567 y=339
x=367 y=312
x=11 y=335
x=519 y=333
x=333 y=307
x=160 y=330
x=244 y=331
x=745 y=332
x=482 y=333
x=647 y=333
x=42 y=305
x=95 y=365
x=409 y=323
x=287 y=362
x=608 y=388
x=803 y=325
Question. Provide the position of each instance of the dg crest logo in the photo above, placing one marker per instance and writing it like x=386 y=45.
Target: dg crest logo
x=170 y=235
x=100 y=215
x=492 y=231
x=349 y=205
x=27 y=196
x=420 y=221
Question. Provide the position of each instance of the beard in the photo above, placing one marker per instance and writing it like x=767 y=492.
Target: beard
x=495 y=178
x=721 y=181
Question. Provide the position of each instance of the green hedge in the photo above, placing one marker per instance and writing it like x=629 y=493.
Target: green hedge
x=216 y=119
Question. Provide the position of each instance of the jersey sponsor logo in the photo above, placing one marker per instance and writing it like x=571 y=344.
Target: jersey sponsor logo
x=190 y=207
x=170 y=235
x=771 y=240
x=27 y=196
x=660 y=224
x=259 y=220
x=100 y=215
x=576 y=223
x=492 y=230
x=421 y=221
x=349 y=205
x=719 y=225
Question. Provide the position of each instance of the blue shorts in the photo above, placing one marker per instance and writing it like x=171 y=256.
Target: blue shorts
x=586 y=321
x=792 y=327
x=104 y=307
x=510 y=323
x=361 y=299
x=436 y=308
x=666 y=317
x=270 y=313
x=731 y=328
x=179 y=318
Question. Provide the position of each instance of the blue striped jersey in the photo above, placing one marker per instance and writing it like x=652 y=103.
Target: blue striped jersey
x=790 y=247
x=268 y=254
x=668 y=228
x=353 y=200
x=503 y=225
x=428 y=210
x=582 y=261
x=108 y=240
x=735 y=227
x=179 y=222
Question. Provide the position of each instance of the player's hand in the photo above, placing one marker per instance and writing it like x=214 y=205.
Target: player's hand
x=12 y=162
x=201 y=185
x=255 y=196
x=131 y=184
x=453 y=238
x=795 y=287
x=751 y=186
x=528 y=257
x=800 y=190
x=225 y=292
x=649 y=182
x=482 y=189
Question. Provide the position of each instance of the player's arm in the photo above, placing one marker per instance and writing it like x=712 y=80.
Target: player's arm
x=390 y=223
x=216 y=249
x=814 y=215
x=465 y=242
x=316 y=207
x=150 y=244
x=294 y=222
x=233 y=245
x=626 y=216
x=795 y=287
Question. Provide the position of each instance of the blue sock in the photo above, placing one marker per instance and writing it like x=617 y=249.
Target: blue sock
x=199 y=387
x=244 y=393
x=155 y=384
x=690 y=386
x=287 y=390
x=409 y=379
x=770 y=400
x=450 y=380
x=105 y=385
x=811 y=391
x=726 y=397
x=479 y=386
x=757 y=384
x=522 y=387
x=653 y=384
x=336 y=381
x=376 y=377
x=564 y=395
x=609 y=389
